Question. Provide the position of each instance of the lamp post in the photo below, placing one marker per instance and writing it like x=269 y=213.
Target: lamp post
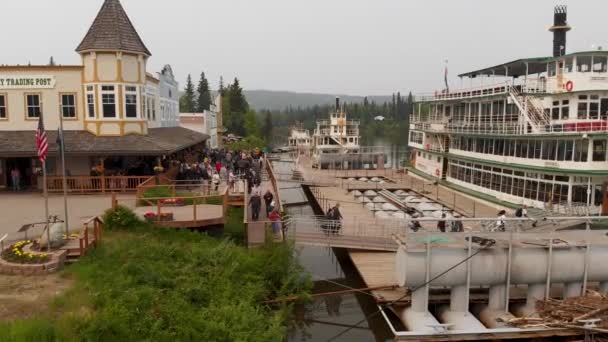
x=64 y=180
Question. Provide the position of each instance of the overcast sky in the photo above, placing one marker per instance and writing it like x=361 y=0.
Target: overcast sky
x=358 y=47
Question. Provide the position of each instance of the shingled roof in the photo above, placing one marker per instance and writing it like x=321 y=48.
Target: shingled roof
x=159 y=141
x=112 y=30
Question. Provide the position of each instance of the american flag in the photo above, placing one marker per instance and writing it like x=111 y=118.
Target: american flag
x=42 y=143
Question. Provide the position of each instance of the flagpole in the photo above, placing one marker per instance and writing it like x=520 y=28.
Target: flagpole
x=46 y=206
x=64 y=179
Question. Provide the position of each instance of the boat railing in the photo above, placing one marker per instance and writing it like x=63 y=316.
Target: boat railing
x=598 y=126
x=530 y=86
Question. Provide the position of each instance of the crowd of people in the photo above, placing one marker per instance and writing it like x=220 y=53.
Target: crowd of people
x=212 y=166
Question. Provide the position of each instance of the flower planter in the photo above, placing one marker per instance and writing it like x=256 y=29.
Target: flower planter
x=165 y=217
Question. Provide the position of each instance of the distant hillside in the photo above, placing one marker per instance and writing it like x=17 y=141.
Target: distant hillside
x=279 y=100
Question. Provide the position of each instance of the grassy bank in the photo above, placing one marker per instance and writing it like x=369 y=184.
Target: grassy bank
x=153 y=284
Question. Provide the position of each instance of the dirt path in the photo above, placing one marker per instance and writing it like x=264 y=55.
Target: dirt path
x=22 y=297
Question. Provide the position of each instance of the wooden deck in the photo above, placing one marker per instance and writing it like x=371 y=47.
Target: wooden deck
x=188 y=216
x=378 y=269
x=89 y=237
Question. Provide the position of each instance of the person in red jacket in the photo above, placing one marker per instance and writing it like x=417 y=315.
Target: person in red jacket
x=275 y=218
x=218 y=167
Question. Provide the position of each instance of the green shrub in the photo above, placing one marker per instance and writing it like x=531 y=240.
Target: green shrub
x=120 y=218
x=167 y=285
x=235 y=227
x=30 y=330
x=155 y=192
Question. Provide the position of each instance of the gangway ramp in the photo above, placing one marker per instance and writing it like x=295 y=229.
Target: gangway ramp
x=318 y=231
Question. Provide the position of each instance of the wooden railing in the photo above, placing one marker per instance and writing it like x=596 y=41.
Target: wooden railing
x=92 y=184
x=85 y=240
x=275 y=186
x=160 y=203
x=166 y=178
x=2 y=242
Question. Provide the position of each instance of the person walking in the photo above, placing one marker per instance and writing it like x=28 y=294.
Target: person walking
x=215 y=179
x=218 y=166
x=255 y=201
x=457 y=226
x=275 y=218
x=500 y=223
x=231 y=180
x=268 y=197
x=336 y=218
x=441 y=223
x=16 y=179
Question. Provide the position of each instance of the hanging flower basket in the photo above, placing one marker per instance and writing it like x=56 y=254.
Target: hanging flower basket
x=164 y=217
x=173 y=202
x=150 y=217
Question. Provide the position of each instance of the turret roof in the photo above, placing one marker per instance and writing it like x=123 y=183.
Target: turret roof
x=112 y=30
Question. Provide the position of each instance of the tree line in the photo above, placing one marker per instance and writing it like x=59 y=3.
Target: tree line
x=381 y=123
x=238 y=118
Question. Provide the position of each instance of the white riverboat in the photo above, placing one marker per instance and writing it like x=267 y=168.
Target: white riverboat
x=534 y=133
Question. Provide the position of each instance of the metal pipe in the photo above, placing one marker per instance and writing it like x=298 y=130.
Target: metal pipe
x=508 y=283
x=459 y=320
x=563 y=263
x=572 y=289
x=549 y=264
x=587 y=250
x=604 y=287
x=496 y=297
x=428 y=267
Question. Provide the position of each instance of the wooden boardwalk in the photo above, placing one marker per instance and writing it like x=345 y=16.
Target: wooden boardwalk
x=378 y=269
x=188 y=216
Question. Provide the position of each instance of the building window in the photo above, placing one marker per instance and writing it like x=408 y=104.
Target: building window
x=33 y=105
x=68 y=106
x=3 y=111
x=91 y=105
x=131 y=102
x=108 y=101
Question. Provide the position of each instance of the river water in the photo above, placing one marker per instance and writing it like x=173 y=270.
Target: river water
x=328 y=316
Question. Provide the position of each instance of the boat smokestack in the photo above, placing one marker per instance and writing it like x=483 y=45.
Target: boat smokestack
x=560 y=28
x=337 y=103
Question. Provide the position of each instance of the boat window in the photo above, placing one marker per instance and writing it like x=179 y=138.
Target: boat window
x=583 y=106
x=599 y=150
x=551 y=69
x=555 y=110
x=599 y=63
x=580 y=151
x=583 y=63
x=548 y=150
x=568 y=65
x=565 y=109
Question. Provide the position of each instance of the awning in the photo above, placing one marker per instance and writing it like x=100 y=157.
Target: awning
x=159 y=141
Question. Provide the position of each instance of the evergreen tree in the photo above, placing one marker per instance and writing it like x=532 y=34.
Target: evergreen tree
x=204 y=95
x=188 y=102
x=268 y=126
x=238 y=108
x=238 y=103
x=251 y=125
x=221 y=88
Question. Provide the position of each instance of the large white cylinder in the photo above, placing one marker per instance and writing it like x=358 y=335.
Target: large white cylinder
x=418 y=321
x=489 y=267
x=460 y=320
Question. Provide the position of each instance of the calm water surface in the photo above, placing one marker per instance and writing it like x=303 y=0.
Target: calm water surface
x=328 y=316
